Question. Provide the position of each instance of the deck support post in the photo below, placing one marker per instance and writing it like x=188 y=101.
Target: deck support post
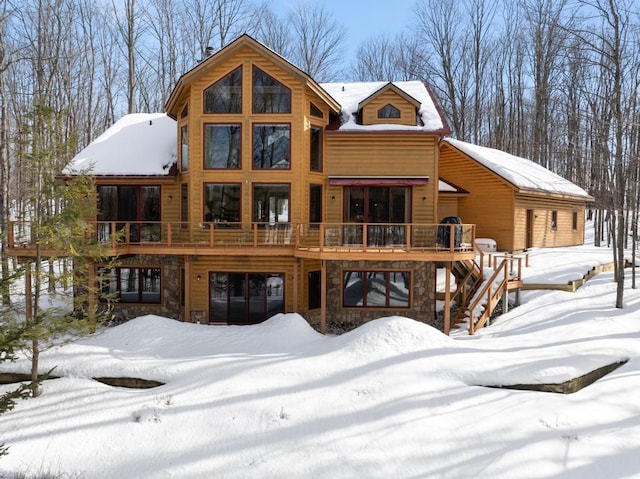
x=187 y=289
x=296 y=280
x=447 y=298
x=505 y=301
x=323 y=297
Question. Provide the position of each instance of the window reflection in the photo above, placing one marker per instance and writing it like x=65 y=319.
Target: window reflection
x=222 y=146
x=270 y=203
x=130 y=285
x=222 y=203
x=225 y=95
x=269 y=95
x=376 y=289
x=245 y=298
x=271 y=146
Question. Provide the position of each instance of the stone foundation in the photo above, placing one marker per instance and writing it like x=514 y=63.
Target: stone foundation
x=170 y=283
x=422 y=299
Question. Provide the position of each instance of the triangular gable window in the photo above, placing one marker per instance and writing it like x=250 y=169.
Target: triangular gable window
x=225 y=95
x=315 y=111
x=269 y=95
x=388 y=111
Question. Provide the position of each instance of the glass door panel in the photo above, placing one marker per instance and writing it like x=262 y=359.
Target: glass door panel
x=354 y=212
x=128 y=210
x=245 y=298
x=275 y=294
x=150 y=211
x=108 y=210
x=257 y=298
x=384 y=209
x=218 y=297
x=237 y=299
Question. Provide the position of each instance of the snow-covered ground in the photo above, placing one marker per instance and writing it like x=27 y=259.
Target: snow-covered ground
x=392 y=399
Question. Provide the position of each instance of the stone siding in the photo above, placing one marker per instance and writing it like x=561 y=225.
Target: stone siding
x=339 y=319
x=170 y=283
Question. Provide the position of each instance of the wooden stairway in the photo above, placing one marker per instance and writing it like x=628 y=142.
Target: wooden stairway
x=478 y=296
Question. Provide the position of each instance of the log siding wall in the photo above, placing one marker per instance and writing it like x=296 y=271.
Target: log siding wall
x=499 y=210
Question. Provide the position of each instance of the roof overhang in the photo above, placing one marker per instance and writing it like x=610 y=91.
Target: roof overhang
x=557 y=196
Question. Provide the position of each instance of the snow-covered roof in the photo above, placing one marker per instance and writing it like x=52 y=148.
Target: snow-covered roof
x=350 y=95
x=520 y=172
x=141 y=144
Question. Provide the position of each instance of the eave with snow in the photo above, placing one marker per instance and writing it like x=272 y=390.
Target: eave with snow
x=514 y=200
x=137 y=146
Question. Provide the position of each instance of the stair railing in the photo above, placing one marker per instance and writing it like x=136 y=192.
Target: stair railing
x=487 y=298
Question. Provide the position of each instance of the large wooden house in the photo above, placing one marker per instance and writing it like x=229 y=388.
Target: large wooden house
x=262 y=191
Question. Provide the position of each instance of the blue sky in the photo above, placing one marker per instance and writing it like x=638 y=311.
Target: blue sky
x=362 y=18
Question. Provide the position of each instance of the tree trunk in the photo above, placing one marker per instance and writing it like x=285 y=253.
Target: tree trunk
x=35 y=359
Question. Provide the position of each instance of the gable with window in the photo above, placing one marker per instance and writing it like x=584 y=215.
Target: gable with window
x=389 y=105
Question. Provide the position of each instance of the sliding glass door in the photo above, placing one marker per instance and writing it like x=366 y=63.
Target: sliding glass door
x=245 y=298
x=385 y=210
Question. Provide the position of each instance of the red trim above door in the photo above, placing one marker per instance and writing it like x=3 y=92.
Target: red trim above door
x=376 y=181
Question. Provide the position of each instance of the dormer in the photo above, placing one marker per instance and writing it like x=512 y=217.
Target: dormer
x=389 y=105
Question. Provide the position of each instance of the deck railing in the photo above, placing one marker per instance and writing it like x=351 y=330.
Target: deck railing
x=307 y=236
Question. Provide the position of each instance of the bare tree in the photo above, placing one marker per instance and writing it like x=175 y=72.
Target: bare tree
x=233 y=17
x=199 y=23
x=390 y=59
x=504 y=114
x=130 y=33
x=5 y=169
x=439 y=27
x=481 y=14
x=375 y=59
x=318 y=41
x=160 y=54
x=542 y=23
x=272 y=31
x=109 y=69
x=610 y=44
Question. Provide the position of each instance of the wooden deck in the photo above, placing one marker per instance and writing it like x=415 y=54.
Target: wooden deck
x=393 y=242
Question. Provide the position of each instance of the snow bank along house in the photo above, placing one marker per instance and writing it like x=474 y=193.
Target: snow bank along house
x=262 y=191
